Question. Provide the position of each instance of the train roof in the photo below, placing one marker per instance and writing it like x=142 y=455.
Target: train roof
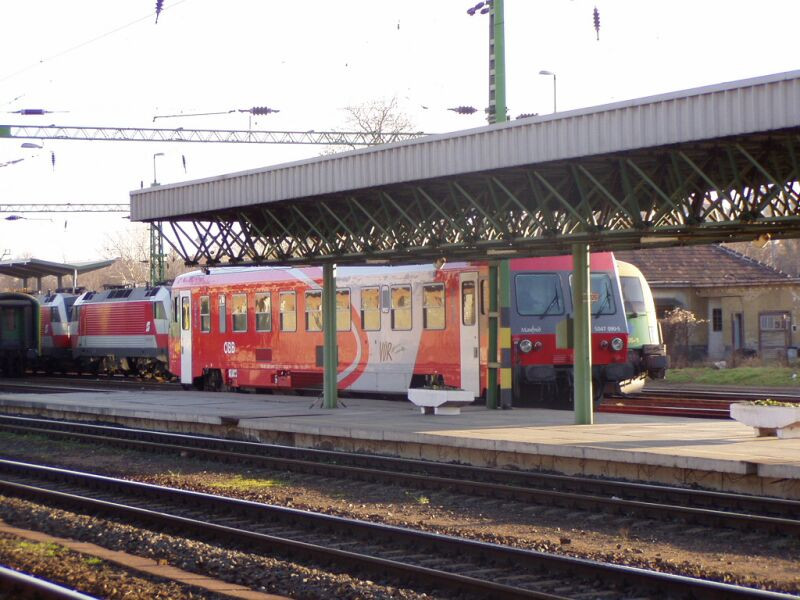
x=148 y=294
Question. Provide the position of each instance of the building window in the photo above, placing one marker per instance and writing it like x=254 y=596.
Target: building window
x=342 y=310
x=401 y=307
x=314 y=311
x=371 y=309
x=288 y=306
x=433 y=306
x=239 y=312
x=205 y=314
x=716 y=319
x=263 y=312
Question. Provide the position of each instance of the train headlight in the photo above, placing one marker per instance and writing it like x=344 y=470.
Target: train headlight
x=603 y=344
x=617 y=344
x=537 y=346
x=525 y=346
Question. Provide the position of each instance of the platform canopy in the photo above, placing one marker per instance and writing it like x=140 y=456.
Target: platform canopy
x=28 y=268
x=712 y=164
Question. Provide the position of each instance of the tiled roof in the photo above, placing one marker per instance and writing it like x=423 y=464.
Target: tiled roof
x=701 y=266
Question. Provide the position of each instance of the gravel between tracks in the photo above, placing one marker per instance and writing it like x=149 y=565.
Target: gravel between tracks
x=759 y=560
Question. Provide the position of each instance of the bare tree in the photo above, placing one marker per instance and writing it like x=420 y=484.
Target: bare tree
x=132 y=251
x=376 y=116
x=678 y=325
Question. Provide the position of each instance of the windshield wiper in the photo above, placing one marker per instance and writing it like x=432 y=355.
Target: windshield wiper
x=549 y=306
x=603 y=305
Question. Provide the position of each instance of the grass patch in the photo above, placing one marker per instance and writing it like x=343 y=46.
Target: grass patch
x=45 y=549
x=244 y=484
x=745 y=376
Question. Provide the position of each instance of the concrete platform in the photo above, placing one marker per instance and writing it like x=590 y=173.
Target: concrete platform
x=714 y=454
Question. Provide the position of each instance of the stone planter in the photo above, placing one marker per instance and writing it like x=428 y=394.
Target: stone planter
x=440 y=402
x=783 y=421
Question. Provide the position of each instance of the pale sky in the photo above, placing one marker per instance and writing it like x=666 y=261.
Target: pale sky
x=108 y=63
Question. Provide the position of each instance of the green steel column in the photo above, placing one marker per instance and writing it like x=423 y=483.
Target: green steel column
x=330 y=359
x=504 y=338
x=497 y=64
x=157 y=272
x=582 y=333
x=494 y=328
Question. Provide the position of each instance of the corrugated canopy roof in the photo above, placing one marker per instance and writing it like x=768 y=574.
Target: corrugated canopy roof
x=33 y=267
x=701 y=266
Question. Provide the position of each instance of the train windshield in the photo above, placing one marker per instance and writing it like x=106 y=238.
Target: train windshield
x=632 y=294
x=538 y=294
x=602 y=295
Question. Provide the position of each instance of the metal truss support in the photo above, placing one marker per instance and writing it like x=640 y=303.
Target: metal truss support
x=225 y=136
x=65 y=208
x=157 y=271
x=582 y=334
x=330 y=356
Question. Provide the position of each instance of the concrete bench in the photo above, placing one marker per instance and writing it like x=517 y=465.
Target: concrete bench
x=783 y=421
x=440 y=402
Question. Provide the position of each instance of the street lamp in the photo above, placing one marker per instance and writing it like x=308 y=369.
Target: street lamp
x=543 y=72
x=155 y=179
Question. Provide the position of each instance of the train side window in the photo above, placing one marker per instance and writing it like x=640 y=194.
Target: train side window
x=158 y=310
x=314 y=311
x=205 y=314
x=468 y=302
x=484 y=296
x=263 y=311
x=185 y=314
x=55 y=317
x=239 y=312
x=342 y=310
x=401 y=307
x=288 y=306
x=433 y=316
x=176 y=314
x=223 y=314
x=371 y=309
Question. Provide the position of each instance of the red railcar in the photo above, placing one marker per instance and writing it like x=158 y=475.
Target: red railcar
x=398 y=327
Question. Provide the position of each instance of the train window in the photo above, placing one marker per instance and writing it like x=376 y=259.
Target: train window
x=401 y=307
x=538 y=294
x=468 y=302
x=433 y=306
x=185 y=313
x=602 y=294
x=342 y=310
x=205 y=314
x=55 y=317
x=371 y=309
x=176 y=314
x=263 y=311
x=223 y=314
x=386 y=299
x=288 y=306
x=633 y=295
x=239 y=312
x=314 y=311
x=159 y=311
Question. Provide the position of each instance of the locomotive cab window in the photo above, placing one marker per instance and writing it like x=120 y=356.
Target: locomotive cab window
x=342 y=310
x=55 y=317
x=371 y=309
x=159 y=312
x=288 y=307
x=433 y=306
x=239 y=312
x=205 y=314
x=186 y=312
x=538 y=294
x=468 y=303
x=401 y=307
x=314 y=311
x=602 y=294
x=263 y=311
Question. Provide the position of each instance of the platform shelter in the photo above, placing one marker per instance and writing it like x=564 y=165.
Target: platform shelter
x=711 y=164
x=35 y=268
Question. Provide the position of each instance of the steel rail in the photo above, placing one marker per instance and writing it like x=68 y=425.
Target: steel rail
x=472 y=567
x=15 y=584
x=714 y=509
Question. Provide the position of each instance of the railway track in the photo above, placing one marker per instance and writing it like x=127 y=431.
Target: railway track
x=14 y=584
x=687 y=402
x=441 y=563
x=714 y=510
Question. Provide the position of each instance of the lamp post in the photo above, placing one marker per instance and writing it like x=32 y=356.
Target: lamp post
x=155 y=179
x=543 y=72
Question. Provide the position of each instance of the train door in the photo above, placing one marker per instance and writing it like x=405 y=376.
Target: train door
x=470 y=346
x=186 y=336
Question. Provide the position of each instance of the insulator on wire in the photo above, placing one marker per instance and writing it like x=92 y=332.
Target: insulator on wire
x=53 y=160
x=261 y=110
x=159 y=7
x=464 y=110
x=597 y=22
